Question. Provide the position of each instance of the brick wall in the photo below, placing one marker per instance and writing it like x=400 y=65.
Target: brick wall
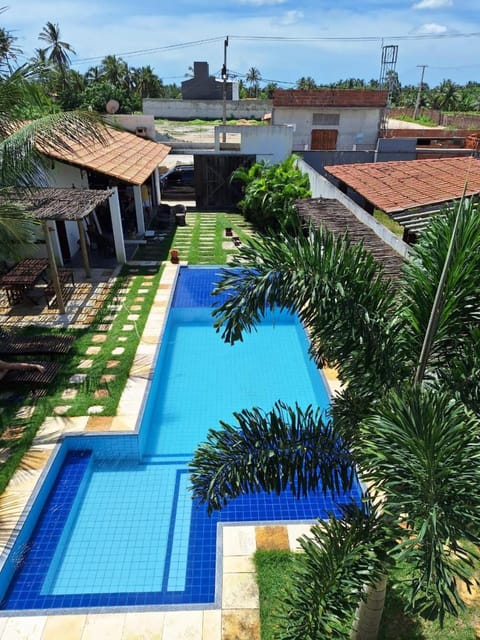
x=329 y=98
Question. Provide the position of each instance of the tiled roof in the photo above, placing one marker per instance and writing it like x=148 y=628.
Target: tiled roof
x=396 y=186
x=121 y=154
x=330 y=98
x=333 y=215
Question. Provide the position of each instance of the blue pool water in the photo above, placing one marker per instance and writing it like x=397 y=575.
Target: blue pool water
x=125 y=531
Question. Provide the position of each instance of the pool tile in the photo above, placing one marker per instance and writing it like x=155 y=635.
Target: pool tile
x=238 y=564
x=109 y=625
x=271 y=537
x=147 y=625
x=238 y=624
x=25 y=628
x=99 y=423
x=239 y=590
x=186 y=625
x=239 y=541
x=295 y=531
x=212 y=624
x=68 y=627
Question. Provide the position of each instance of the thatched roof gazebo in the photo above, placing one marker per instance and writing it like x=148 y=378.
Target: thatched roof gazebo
x=52 y=204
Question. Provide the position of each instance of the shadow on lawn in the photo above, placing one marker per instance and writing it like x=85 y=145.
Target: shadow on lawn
x=396 y=625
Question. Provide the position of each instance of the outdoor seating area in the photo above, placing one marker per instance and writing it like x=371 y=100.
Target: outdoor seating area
x=33 y=345
x=21 y=278
x=33 y=376
x=29 y=281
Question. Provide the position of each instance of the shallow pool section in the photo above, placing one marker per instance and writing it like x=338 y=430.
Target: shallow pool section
x=123 y=531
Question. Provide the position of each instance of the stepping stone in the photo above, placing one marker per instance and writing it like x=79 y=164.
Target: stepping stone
x=78 y=378
x=98 y=408
x=69 y=394
x=85 y=364
x=91 y=351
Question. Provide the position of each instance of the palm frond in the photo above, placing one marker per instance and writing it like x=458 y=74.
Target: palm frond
x=21 y=150
x=284 y=448
x=460 y=301
x=341 y=556
x=336 y=288
x=422 y=449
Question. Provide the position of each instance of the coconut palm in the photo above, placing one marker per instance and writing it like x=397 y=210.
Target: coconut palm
x=306 y=84
x=253 y=78
x=57 y=50
x=413 y=439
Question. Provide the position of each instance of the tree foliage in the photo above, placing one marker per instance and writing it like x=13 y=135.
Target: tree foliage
x=416 y=445
x=270 y=191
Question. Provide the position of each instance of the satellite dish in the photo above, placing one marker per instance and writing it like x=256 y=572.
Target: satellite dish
x=112 y=106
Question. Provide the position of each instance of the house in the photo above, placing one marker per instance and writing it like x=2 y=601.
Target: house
x=331 y=119
x=408 y=191
x=206 y=87
x=123 y=162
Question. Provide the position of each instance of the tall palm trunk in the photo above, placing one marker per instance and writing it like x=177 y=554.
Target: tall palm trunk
x=369 y=612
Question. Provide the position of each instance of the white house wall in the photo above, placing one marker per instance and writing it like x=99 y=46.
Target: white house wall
x=269 y=143
x=357 y=126
x=65 y=176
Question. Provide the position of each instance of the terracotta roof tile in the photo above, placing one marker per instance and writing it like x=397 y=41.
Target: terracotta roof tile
x=396 y=186
x=122 y=155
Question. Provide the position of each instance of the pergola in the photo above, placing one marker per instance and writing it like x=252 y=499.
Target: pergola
x=51 y=204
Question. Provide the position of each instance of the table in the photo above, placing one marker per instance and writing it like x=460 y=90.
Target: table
x=24 y=275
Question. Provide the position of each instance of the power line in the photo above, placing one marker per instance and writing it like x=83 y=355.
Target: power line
x=140 y=52
x=380 y=39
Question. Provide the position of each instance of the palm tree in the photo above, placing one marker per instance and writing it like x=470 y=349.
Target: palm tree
x=146 y=82
x=57 y=50
x=21 y=163
x=306 y=84
x=114 y=70
x=253 y=78
x=413 y=441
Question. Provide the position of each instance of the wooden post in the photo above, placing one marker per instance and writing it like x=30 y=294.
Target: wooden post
x=83 y=248
x=53 y=267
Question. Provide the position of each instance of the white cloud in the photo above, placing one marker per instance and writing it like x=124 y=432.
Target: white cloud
x=263 y=3
x=433 y=4
x=432 y=28
x=291 y=17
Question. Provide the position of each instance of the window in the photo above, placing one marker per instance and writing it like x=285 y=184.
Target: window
x=326 y=119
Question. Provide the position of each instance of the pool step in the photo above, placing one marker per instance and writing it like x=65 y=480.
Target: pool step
x=180 y=459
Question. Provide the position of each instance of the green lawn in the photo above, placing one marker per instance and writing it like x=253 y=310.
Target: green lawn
x=273 y=573
x=107 y=347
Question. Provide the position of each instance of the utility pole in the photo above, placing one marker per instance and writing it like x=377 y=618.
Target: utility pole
x=419 y=94
x=224 y=77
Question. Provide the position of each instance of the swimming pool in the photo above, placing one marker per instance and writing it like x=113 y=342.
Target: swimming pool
x=118 y=527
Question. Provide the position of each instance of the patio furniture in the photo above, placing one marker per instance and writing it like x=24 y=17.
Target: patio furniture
x=22 y=277
x=41 y=344
x=65 y=279
x=32 y=376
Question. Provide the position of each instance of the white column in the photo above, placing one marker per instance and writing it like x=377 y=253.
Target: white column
x=137 y=194
x=156 y=177
x=117 y=228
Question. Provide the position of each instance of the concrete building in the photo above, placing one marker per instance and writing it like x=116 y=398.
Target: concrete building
x=331 y=119
x=206 y=87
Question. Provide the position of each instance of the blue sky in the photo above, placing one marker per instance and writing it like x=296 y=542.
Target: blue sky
x=427 y=32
